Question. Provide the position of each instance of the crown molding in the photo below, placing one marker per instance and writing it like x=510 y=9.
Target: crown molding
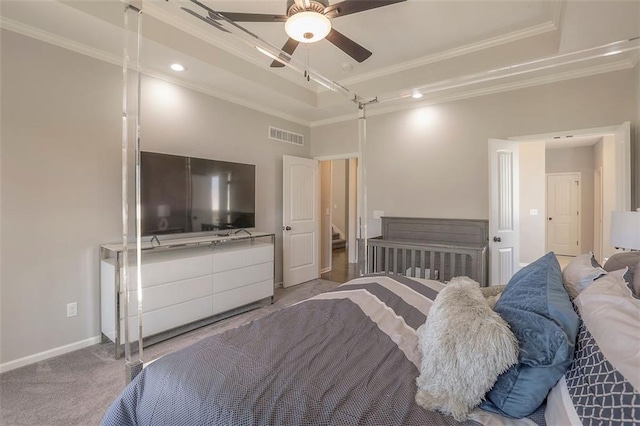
x=47 y=37
x=453 y=53
x=225 y=97
x=569 y=75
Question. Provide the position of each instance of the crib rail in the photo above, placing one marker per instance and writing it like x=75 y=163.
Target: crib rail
x=431 y=261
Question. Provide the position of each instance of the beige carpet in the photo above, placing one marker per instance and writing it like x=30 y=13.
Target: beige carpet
x=78 y=387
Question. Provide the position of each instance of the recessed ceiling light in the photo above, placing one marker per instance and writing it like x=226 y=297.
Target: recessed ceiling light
x=178 y=67
x=416 y=95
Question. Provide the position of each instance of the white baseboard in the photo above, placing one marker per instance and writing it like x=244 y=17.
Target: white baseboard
x=31 y=359
x=325 y=270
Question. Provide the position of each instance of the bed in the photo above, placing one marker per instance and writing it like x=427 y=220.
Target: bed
x=348 y=356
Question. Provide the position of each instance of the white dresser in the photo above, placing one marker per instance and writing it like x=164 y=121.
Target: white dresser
x=186 y=283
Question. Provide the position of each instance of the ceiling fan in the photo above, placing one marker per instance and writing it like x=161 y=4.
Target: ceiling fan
x=308 y=21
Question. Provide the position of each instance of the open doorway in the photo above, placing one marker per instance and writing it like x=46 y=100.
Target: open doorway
x=338 y=206
x=605 y=187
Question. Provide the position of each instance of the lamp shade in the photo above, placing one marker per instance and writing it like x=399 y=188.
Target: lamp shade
x=307 y=27
x=164 y=210
x=625 y=230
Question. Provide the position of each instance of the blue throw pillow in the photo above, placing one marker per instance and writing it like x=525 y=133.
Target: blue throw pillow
x=537 y=307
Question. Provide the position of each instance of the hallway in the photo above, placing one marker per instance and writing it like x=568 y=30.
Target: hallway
x=341 y=270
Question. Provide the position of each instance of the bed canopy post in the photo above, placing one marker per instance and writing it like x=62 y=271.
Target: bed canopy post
x=362 y=228
x=363 y=259
x=131 y=131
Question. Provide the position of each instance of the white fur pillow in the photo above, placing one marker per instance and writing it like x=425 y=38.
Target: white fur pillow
x=465 y=346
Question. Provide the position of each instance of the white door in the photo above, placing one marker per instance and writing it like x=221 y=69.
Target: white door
x=563 y=213
x=504 y=227
x=300 y=222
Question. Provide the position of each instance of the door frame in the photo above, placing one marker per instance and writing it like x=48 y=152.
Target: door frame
x=579 y=224
x=597 y=214
x=352 y=242
x=623 y=174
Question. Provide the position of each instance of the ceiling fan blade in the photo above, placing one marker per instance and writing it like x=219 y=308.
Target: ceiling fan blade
x=348 y=46
x=250 y=17
x=206 y=19
x=347 y=7
x=289 y=47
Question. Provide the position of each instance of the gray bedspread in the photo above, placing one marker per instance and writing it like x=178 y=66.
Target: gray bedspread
x=346 y=357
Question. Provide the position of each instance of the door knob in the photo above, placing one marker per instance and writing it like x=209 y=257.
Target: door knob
x=550 y=218
x=497 y=239
x=286 y=228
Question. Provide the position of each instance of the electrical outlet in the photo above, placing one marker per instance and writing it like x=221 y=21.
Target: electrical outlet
x=72 y=309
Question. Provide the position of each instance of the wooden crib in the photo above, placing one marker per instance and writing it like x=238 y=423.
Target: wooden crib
x=437 y=249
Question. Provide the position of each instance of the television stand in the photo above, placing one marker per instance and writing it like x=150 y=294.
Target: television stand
x=187 y=283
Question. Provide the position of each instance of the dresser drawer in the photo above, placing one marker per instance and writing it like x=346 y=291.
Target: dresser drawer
x=168 y=270
x=170 y=317
x=223 y=281
x=163 y=295
x=237 y=297
x=235 y=259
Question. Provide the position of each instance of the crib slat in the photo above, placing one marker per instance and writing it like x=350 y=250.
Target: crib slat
x=413 y=263
x=463 y=267
x=441 y=277
x=387 y=254
x=453 y=265
x=432 y=265
x=423 y=263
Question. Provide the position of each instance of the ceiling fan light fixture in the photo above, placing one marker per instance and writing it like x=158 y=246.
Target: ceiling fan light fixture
x=307 y=27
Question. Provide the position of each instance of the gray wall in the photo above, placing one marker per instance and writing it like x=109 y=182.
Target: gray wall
x=578 y=160
x=60 y=179
x=432 y=161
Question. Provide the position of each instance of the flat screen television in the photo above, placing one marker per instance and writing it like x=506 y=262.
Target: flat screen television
x=186 y=194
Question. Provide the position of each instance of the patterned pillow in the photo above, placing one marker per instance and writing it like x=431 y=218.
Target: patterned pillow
x=630 y=260
x=602 y=385
x=580 y=273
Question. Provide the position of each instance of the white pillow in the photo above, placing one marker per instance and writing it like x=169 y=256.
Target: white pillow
x=465 y=345
x=603 y=381
x=580 y=273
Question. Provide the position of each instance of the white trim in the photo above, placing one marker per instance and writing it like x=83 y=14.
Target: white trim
x=325 y=270
x=337 y=157
x=101 y=55
x=41 y=356
x=453 y=53
x=226 y=97
x=584 y=72
x=594 y=131
x=83 y=49
x=65 y=43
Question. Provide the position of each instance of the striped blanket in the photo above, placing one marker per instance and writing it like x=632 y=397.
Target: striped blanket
x=346 y=357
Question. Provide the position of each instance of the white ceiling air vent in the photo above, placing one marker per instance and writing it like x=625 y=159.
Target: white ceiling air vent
x=286 y=136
